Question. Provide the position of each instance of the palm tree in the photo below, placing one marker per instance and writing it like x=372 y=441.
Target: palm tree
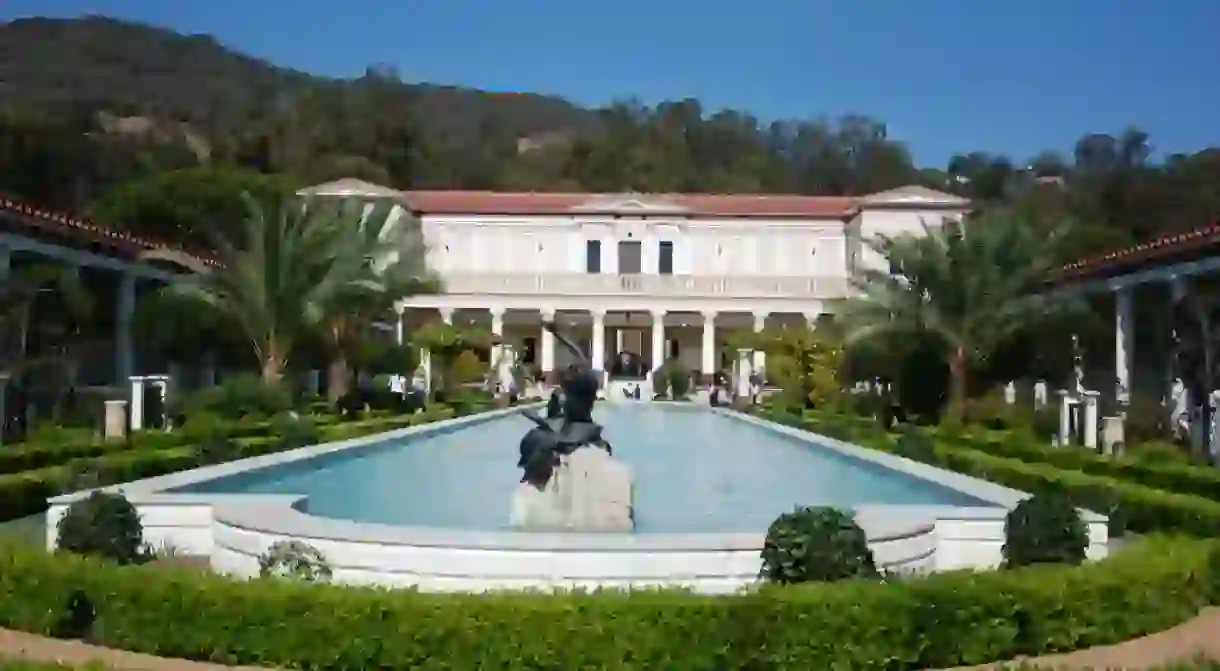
x=971 y=290
x=395 y=250
x=283 y=279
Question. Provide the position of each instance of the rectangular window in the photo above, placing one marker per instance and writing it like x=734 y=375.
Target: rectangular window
x=629 y=257
x=665 y=257
x=593 y=257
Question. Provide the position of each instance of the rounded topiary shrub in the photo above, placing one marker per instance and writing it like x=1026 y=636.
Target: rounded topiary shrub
x=295 y=560
x=103 y=525
x=816 y=545
x=1045 y=528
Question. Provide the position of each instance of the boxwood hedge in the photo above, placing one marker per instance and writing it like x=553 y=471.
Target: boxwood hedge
x=26 y=492
x=942 y=620
x=1134 y=506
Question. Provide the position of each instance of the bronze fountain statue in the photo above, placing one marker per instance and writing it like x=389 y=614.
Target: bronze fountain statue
x=573 y=429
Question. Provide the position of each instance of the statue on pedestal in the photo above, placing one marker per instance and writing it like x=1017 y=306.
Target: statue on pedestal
x=565 y=486
x=574 y=428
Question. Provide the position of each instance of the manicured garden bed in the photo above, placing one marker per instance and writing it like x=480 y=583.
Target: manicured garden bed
x=1138 y=507
x=147 y=454
x=939 y=621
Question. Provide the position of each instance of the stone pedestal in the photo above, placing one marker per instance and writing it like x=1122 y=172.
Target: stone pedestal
x=745 y=368
x=504 y=368
x=1111 y=434
x=116 y=420
x=589 y=492
x=1040 y=394
x=1090 y=418
x=1066 y=400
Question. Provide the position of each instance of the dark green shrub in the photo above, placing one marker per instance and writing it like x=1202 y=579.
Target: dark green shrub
x=993 y=411
x=240 y=397
x=816 y=545
x=105 y=525
x=1045 y=423
x=293 y=431
x=677 y=378
x=1045 y=528
x=212 y=436
x=660 y=383
x=916 y=444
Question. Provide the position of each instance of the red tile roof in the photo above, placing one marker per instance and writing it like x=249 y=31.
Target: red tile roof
x=56 y=222
x=712 y=205
x=1164 y=246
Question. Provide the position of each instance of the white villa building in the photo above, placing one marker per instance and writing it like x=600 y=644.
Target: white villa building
x=655 y=275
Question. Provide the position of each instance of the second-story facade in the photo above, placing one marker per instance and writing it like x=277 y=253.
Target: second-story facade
x=653 y=276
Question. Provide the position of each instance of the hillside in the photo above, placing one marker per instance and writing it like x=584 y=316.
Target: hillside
x=95 y=109
x=128 y=68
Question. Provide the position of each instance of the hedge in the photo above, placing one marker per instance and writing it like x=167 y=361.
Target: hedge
x=1175 y=477
x=1131 y=506
x=942 y=620
x=1183 y=478
x=26 y=493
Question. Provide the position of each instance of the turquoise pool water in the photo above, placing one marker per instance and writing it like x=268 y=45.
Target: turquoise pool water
x=695 y=471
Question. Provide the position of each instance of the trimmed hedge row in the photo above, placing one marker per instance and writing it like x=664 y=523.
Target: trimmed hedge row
x=1175 y=477
x=943 y=620
x=1182 y=478
x=1131 y=506
x=26 y=493
x=32 y=456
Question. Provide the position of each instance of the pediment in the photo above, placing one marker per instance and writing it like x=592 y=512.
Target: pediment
x=629 y=203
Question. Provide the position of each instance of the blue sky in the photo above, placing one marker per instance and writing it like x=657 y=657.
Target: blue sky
x=1013 y=76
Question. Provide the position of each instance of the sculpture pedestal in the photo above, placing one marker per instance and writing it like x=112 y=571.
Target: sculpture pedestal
x=589 y=492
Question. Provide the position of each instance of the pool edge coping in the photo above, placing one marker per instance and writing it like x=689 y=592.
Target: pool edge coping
x=278 y=514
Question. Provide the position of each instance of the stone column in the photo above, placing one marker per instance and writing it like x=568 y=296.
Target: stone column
x=709 y=347
x=1177 y=290
x=398 y=329
x=124 y=357
x=1090 y=419
x=760 y=357
x=546 y=347
x=1124 y=343
x=599 y=341
x=116 y=420
x=137 y=402
x=1066 y=399
x=743 y=374
x=497 y=332
x=658 y=339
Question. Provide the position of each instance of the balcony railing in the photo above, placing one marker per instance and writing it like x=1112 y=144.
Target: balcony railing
x=649 y=285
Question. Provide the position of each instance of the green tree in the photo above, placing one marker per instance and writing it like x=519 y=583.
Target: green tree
x=970 y=288
x=282 y=281
x=188 y=208
x=397 y=269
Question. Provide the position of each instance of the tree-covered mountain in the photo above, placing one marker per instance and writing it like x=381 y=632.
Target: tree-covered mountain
x=89 y=104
